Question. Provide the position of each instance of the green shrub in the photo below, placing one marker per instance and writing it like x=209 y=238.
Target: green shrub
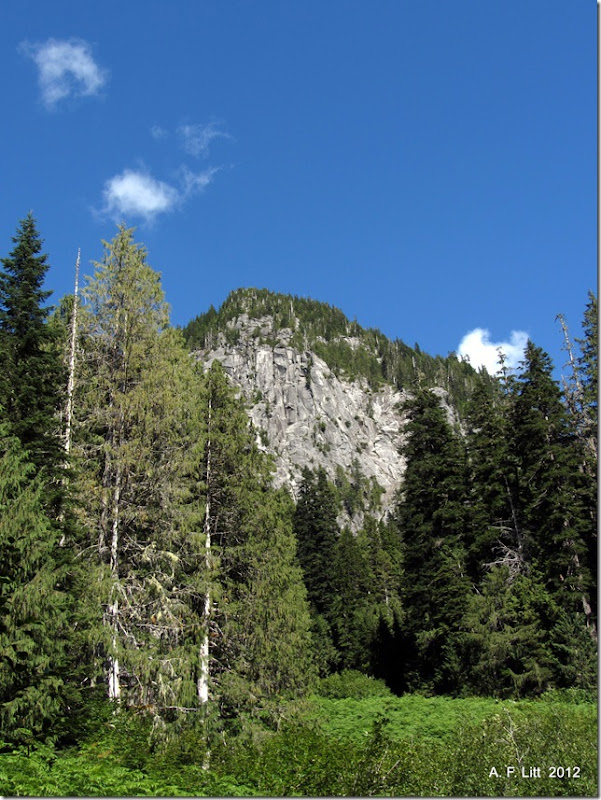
x=351 y=683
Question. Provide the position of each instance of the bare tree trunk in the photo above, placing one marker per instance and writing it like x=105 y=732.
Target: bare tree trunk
x=71 y=382
x=203 y=679
x=113 y=669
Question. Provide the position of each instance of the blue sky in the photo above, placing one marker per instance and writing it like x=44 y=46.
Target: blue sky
x=429 y=168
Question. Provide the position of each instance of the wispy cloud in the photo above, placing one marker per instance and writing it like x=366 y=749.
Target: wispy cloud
x=135 y=193
x=66 y=68
x=193 y=182
x=197 y=138
x=481 y=352
x=157 y=132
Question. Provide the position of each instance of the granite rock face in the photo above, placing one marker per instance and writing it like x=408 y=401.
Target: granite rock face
x=307 y=416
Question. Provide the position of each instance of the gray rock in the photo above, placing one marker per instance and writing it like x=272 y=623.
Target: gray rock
x=307 y=415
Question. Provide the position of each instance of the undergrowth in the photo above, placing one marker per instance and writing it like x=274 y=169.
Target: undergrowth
x=377 y=745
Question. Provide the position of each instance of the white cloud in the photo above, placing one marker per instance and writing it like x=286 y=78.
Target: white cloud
x=138 y=194
x=481 y=352
x=135 y=193
x=197 y=138
x=66 y=68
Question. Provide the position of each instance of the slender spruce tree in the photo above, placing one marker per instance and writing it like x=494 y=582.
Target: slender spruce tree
x=432 y=519
x=350 y=608
x=495 y=537
x=553 y=487
x=36 y=610
x=31 y=370
x=589 y=367
x=588 y=363
x=317 y=534
x=506 y=644
x=257 y=647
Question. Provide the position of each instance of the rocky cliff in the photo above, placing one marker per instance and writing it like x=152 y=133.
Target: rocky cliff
x=306 y=415
x=323 y=391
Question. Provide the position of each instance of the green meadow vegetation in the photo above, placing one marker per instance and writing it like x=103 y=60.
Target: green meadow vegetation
x=370 y=745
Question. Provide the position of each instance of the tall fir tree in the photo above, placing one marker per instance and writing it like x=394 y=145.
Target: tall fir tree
x=432 y=520
x=554 y=490
x=38 y=674
x=317 y=533
x=496 y=537
x=31 y=370
x=350 y=609
x=589 y=367
x=133 y=427
x=581 y=387
x=588 y=363
x=256 y=622
x=191 y=547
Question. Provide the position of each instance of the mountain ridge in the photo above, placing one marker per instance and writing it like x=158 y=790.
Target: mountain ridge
x=316 y=390
x=345 y=345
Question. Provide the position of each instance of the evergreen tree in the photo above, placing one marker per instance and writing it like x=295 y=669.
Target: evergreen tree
x=589 y=371
x=36 y=611
x=192 y=547
x=381 y=611
x=496 y=535
x=268 y=622
x=581 y=387
x=350 y=609
x=432 y=519
x=554 y=491
x=31 y=382
x=257 y=621
x=317 y=532
x=133 y=427
x=507 y=642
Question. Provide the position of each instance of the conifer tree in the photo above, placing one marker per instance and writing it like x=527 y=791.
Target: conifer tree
x=350 y=609
x=257 y=623
x=317 y=533
x=192 y=546
x=553 y=488
x=432 y=518
x=268 y=622
x=507 y=641
x=581 y=387
x=133 y=426
x=588 y=363
x=36 y=610
x=496 y=537
x=380 y=612
x=31 y=373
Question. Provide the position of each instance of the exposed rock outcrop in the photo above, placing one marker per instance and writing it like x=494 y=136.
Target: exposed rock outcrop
x=307 y=416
